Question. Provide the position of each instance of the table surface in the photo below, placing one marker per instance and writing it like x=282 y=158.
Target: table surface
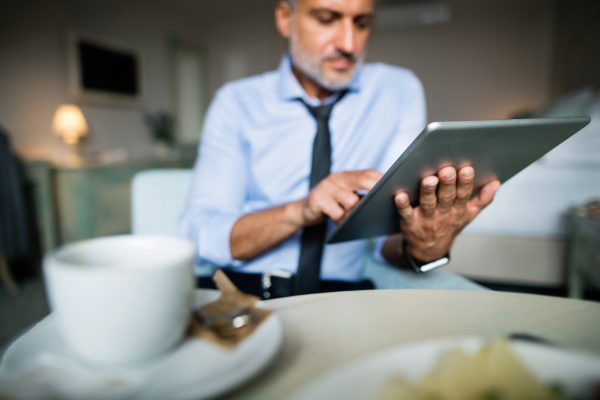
x=325 y=331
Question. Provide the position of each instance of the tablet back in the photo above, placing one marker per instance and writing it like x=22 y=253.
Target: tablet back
x=495 y=149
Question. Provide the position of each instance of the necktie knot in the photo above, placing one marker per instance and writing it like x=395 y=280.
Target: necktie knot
x=320 y=113
x=323 y=112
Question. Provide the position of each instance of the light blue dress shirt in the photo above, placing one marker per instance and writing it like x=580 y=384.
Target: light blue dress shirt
x=256 y=150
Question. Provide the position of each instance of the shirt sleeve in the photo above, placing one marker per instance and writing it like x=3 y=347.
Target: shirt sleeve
x=219 y=183
x=411 y=123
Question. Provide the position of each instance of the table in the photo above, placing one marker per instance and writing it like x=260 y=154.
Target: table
x=80 y=202
x=325 y=331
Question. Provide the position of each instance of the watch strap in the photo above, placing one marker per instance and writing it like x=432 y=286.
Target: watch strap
x=419 y=268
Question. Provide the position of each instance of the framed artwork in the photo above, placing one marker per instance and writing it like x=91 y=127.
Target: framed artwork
x=104 y=71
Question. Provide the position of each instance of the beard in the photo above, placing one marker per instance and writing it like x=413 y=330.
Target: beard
x=313 y=67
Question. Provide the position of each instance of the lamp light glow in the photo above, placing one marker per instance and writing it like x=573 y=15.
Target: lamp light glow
x=70 y=124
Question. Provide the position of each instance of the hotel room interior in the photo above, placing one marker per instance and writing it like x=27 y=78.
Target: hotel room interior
x=78 y=144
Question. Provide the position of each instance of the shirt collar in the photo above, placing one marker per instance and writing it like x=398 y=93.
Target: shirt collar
x=290 y=88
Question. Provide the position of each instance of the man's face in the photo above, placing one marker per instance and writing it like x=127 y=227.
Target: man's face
x=327 y=38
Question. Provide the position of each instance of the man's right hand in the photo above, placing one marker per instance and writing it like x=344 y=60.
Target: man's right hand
x=335 y=196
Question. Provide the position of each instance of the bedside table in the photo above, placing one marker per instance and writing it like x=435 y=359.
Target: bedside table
x=82 y=202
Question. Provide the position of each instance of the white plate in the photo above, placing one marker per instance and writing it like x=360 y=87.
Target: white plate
x=363 y=379
x=39 y=366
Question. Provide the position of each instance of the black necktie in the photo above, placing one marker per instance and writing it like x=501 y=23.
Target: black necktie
x=313 y=237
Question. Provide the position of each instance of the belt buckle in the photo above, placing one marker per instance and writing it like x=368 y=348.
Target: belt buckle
x=265 y=280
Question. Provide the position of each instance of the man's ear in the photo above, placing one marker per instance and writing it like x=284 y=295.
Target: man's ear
x=283 y=18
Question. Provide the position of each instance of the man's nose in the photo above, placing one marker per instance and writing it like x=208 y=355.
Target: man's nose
x=345 y=37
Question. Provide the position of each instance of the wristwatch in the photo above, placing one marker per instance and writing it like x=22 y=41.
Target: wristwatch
x=420 y=268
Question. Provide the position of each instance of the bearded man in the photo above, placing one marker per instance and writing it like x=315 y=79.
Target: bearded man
x=285 y=156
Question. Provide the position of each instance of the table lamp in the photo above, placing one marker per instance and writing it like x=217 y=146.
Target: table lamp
x=70 y=124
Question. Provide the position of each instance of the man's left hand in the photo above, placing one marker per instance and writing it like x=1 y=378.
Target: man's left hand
x=444 y=210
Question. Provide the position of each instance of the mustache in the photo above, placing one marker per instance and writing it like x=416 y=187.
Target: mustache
x=340 y=54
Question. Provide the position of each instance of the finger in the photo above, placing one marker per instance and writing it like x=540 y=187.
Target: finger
x=358 y=180
x=407 y=213
x=427 y=197
x=464 y=186
x=483 y=199
x=331 y=208
x=447 y=189
x=347 y=199
x=368 y=178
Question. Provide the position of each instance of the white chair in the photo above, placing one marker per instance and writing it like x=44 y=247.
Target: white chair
x=158 y=198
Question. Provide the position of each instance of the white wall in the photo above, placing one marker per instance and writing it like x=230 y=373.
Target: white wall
x=242 y=44
x=33 y=70
x=490 y=60
x=32 y=82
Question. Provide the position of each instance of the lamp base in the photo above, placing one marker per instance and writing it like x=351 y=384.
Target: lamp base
x=73 y=158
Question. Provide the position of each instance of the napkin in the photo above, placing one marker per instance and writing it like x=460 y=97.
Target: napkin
x=231 y=299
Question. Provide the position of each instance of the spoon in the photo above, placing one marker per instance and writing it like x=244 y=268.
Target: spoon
x=235 y=318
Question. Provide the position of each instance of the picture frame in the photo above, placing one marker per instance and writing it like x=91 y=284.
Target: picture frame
x=104 y=71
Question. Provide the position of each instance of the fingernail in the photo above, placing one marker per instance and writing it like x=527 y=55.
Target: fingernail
x=449 y=175
x=401 y=199
x=469 y=174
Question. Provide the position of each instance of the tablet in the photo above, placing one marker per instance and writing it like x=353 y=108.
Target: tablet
x=495 y=149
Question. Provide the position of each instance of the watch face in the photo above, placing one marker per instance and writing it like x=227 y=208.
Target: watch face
x=434 y=264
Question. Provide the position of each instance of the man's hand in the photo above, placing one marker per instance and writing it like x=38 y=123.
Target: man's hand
x=444 y=210
x=335 y=196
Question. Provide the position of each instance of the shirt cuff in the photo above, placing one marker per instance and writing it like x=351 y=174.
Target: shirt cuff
x=211 y=234
x=377 y=256
x=214 y=238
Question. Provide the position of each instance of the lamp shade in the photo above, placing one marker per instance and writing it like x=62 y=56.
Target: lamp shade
x=69 y=123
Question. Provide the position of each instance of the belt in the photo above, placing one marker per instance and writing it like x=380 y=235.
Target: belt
x=277 y=283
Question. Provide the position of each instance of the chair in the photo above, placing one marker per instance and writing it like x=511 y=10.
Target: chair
x=14 y=239
x=159 y=197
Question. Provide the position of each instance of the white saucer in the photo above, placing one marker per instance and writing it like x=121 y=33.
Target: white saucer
x=39 y=366
x=361 y=380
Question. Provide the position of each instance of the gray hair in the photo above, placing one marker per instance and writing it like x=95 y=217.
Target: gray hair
x=292 y=3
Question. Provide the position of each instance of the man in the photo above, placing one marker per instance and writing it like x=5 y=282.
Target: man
x=285 y=155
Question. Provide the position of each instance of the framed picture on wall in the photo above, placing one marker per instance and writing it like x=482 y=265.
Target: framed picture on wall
x=104 y=71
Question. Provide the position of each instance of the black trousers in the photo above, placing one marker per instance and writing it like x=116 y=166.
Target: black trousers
x=281 y=287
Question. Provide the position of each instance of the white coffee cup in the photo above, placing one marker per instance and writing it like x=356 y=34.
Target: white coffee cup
x=121 y=299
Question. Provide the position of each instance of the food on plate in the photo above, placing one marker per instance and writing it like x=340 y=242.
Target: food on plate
x=492 y=373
